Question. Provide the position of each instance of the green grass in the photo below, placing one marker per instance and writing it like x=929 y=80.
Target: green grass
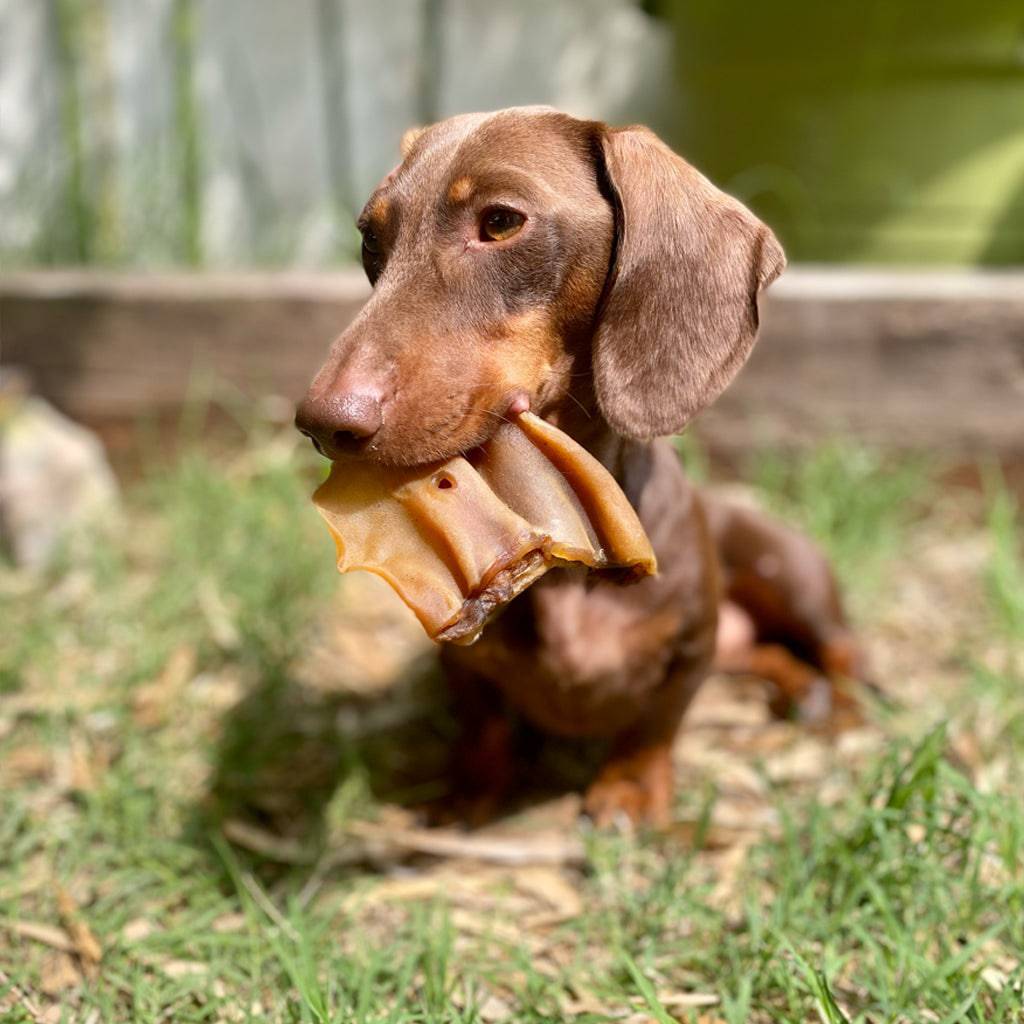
x=1005 y=576
x=902 y=899
x=854 y=500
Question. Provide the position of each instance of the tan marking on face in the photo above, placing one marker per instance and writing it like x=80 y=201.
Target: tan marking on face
x=380 y=208
x=461 y=190
x=529 y=345
x=409 y=140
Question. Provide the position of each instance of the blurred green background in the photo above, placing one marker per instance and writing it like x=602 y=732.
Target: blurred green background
x=242 y=132
x=877 y=131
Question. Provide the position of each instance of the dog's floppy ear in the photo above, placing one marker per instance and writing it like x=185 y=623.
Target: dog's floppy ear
x=680 y=308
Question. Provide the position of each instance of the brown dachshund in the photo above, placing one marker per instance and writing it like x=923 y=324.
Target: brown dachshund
x=526 y=259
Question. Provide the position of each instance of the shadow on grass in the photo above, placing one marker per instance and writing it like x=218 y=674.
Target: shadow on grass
x=287 y=752
x=286 y=749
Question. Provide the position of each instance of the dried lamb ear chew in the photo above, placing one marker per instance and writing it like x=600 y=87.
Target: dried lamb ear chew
x=459 y=540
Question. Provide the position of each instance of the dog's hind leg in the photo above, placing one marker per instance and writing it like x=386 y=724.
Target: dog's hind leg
x=782 y=617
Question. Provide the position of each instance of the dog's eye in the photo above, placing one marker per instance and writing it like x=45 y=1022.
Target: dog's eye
x=499 y=223
x=371 y=243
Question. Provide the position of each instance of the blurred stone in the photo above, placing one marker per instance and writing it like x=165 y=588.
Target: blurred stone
x=54 y=476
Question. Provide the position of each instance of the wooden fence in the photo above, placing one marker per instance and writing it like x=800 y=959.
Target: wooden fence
x=242 y=132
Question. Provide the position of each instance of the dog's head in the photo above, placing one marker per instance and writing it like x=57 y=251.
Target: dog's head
x=521 y=256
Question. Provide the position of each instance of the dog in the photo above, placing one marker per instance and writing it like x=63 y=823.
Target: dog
x=527 y=259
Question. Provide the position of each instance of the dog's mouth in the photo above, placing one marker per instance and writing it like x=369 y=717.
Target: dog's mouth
x=460 y=538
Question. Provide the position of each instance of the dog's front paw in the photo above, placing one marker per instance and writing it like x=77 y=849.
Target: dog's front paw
x=635 y=789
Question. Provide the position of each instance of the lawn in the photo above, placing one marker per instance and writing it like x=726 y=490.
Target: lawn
x=209 y=743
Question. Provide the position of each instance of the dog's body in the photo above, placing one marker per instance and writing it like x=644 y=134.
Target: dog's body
x=526 y=259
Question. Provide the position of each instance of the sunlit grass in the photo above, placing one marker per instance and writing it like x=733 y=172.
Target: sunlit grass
x=903 y=901
x=854 y=500
x=1005 y=576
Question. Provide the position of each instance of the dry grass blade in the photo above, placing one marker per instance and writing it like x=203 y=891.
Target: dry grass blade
x=84 y=942
x=266 y=904
x=172 y=967
x=46 y=934
x=688 y=1000
x=711 y=836
x=13 y=996
x=265 y=844
x=511 y=850
x=399 y=890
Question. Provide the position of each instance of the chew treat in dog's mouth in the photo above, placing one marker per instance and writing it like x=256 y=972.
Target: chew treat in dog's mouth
x=458 y=540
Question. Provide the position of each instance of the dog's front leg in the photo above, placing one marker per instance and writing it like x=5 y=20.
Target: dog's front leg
x=481 y=770
x=635 y=783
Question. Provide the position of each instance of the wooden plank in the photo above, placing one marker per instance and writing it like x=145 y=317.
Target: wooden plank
x=106 y=346
x=921 y=361
x=916 y=360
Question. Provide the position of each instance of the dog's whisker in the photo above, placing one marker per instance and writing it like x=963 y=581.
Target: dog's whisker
x=586 y=411
x=496 y=415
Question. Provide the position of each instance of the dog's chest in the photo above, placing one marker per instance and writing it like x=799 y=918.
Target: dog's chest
x=578 y=658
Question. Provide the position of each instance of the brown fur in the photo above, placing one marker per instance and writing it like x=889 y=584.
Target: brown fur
x=681 y=314
x=624 y=305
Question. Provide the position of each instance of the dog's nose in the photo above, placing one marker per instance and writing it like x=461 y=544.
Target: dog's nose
x=339 y=424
